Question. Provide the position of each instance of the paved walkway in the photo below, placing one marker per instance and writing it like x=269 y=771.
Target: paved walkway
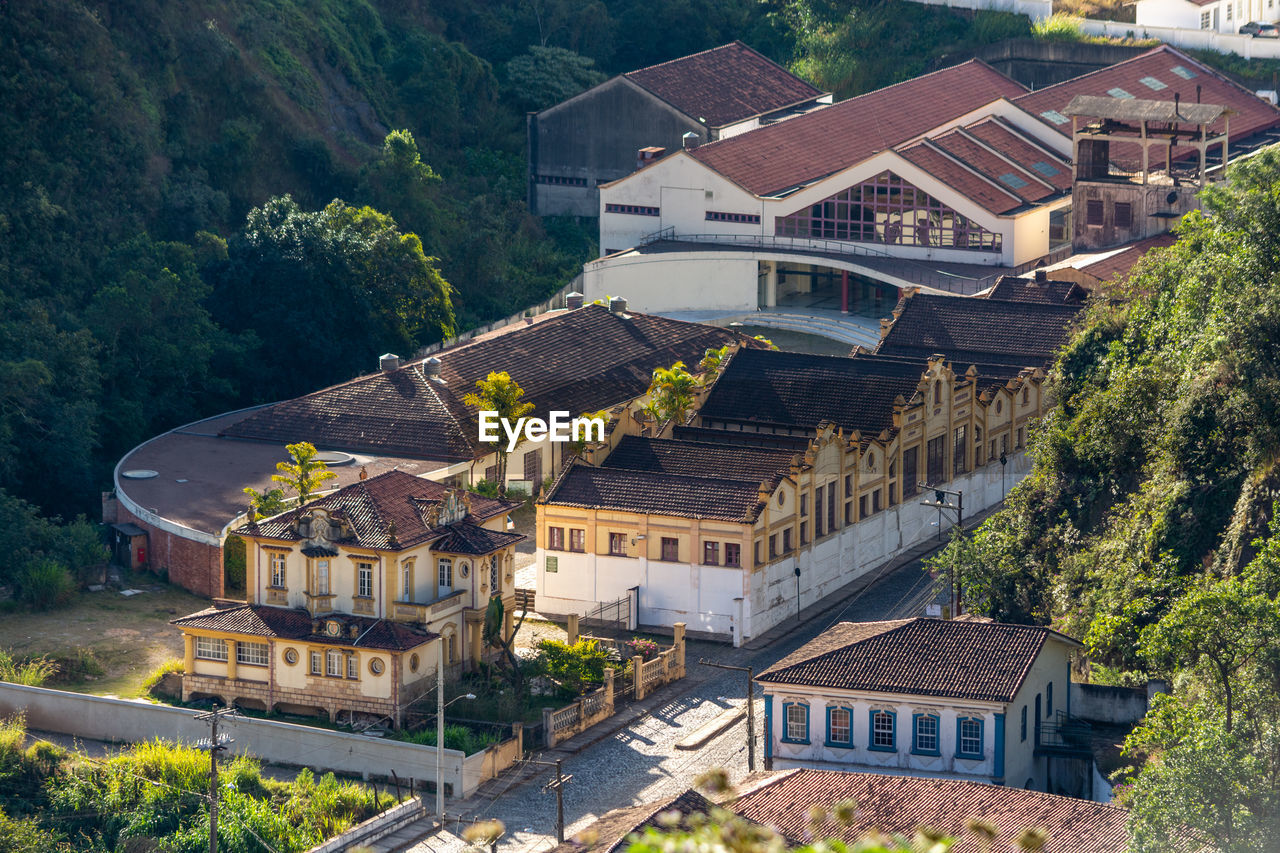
x=632 y=757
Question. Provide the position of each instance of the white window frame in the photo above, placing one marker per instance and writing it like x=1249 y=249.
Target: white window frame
x=364 y=579
x=847 y=725
x=333 y=666
x=406 y=581
x=322 y=577
x=279 y=570
x=926 y=741
x=975 y=739
x=877 y=730
x=253 y=654
x=211 y=648
x=353 y=667
x=444 y=574
x=797 y=720
x=317 y=663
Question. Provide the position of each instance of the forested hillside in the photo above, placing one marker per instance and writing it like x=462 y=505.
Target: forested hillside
x=1148 y=526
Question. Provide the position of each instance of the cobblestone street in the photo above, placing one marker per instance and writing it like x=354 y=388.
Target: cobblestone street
x=640 y=764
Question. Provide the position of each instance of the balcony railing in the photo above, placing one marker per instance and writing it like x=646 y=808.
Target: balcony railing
x=1064 y=735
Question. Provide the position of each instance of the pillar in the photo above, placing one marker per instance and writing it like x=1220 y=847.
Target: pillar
x=844 y=291
x=572 y=629
x=477 y=645
x=637 y=663
x=770 y=284
x=188 y=654
x=231 y=659
x=608 y=688
x=679 y=629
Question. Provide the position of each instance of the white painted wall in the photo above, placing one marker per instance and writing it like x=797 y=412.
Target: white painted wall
x=1052 y=666
x=685 y=281
x=1225 y=41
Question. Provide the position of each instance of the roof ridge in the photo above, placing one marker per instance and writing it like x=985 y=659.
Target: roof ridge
x=687 y=57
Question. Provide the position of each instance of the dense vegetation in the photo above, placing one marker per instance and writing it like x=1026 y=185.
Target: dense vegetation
x=1148 y=526
x=154 y=796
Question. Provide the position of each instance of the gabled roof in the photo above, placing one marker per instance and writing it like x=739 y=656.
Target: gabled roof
x=724 y=85
x=770 y=160
x=977 y=331
x=656 y=493
x=922 y=657
x=374 y=505
x=901 y=804
x=1012 y=288
x=260 y=620
x=577 y=361
x=1159 y=73
x=1119 y=263
x=800 y=390
x=699 y=458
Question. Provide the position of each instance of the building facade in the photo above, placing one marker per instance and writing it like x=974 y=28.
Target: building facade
x=349 y=597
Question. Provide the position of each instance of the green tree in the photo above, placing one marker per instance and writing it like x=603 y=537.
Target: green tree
x=578 y=446
x=545 y=76
x=671 y=393
x=304 y=474
x=494 y=620
x=398 y=182
x=501 y=394
x=712 y=361
x=266 y=503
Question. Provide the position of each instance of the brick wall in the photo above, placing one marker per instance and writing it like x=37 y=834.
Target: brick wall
x=192 y=565
x=333 y=695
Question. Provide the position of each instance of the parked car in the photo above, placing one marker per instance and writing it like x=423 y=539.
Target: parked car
x=1260 y=30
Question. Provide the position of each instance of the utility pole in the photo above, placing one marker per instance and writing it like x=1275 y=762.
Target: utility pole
x=1004 y=460
x=216 y=743
x=751 y=707
x=940 y=496
x=557 y=784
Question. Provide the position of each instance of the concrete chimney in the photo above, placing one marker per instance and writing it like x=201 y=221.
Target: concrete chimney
x=617 y=305
x=388 y=362
x=431 y=368
x=1042 y=277
x=573 y=300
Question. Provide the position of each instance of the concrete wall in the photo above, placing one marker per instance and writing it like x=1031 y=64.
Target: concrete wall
x=1022 y=768
x=1104 y=703
x=1038 y=64
x=1144 y=201
x=281 y=743
x=1224 y=42
x=678 y=281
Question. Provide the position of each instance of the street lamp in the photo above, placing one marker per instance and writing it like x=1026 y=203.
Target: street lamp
x=440 y=706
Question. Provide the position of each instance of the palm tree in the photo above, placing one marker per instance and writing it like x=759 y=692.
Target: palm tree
x=671 y=393
x=501 y=394
x=305 y=474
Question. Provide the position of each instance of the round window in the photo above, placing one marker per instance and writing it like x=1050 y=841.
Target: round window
x=782 y=498
x=375 y=666
x=464 y=569
x=291 y=656
x=871 y=460
x=413 y=663
x=999 y=405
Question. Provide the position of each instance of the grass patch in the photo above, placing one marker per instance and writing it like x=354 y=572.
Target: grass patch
x=31 y=672
x=152 y=681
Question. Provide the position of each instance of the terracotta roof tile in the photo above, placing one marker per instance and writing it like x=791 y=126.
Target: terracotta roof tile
x=581 y=485
x=700 y=458
x=724 y=85
x=1012 y=288
x=373 y=505
x=800 y=390
x=901 y=804
x=1121 y=262
x=926 y=657
x=978 y=331
x=792 y=153
x=944 y=166
x=257 y=620
x=466 y=538
x=1020 y=148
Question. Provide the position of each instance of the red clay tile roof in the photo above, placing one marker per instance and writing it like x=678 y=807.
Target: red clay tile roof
x=951 y=170
x=1121 y=262
x=1023 y=150
x=978 y=331
x=373 y=505
x=1012 y=288
x=801 y=390
x=923 y=657
x=724 y=85
x=769 y=160
x=901 y=804
x=258 y=620
x=613 y=828
x=656 y=493
x=466 y=538
x=1252 y=114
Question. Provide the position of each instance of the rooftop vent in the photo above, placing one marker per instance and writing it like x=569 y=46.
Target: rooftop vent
x=388 y=362
x=1041 y=276
x=690 y=140
x=617 y=305
x=431 y=368
x=573 y=300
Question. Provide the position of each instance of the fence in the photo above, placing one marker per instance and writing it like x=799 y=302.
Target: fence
x=1036 y=10
x=100 y=718
x=557 y=300
x=646 y=676
x=1241 y=45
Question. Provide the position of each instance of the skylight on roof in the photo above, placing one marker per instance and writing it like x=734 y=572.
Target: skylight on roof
x=1055 y=116
x=1012 y=180
x=1152 y=83
x=1044 y=168
x=1117 y=92
x=1183 y=72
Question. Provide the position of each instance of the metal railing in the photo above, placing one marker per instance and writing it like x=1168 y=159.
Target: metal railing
x=1065 y=733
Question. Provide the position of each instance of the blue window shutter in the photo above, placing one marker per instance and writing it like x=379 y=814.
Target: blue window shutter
x=768 y=729
x=806 y=723
x=915 y=732
x=893 y=717
x=829 y=738
x=998 y=770
x=1048 y=700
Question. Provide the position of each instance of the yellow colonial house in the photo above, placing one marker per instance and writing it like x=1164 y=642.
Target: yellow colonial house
x=348 y=596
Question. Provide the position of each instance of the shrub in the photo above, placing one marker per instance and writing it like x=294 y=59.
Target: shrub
x=31 y=673
x=646 y=649
x=485 y=488
x=1058 y=27
x=575 y=667
x=45 y=583
x=459 y=737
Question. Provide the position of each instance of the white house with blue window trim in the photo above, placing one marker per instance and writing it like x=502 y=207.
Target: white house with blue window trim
x=962 y=699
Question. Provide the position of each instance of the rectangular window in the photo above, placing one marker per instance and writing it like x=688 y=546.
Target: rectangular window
x=839 y=728
x=1093 y=212
x=960 y=451
x=1204 y=20
x=848 y=512
x=937 y=460
x=618 y=544
x=719 y=216
x=1124 y=214
x=1024 y=722
x=711 y=553
x=1018 y=446
x=798 y=723
x=406 y=582
x=555 y=538
x=670 y=549
x=773 y=546
x=848 y=485
x=211 y=648
x=353 y=667
x=804 y=505
x=322 y=577
x=893 y=494
x=882 y=731
x=252 y=654
x=316 y=663
x=831 y=507
x=633 y=209
x=910 y=471
x=875 y=501
x=1004 y=444
x=333 y=663
x=804 y=533
x=732 y=554
x=577 y=539
x=445 y=572
x=278 y=574
x=561 y=181
x=969 y=741
x=364 y=580
x=786 y=541
x=817 y=518
x=862 y=507
x=756 y=550
x=926 y=734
